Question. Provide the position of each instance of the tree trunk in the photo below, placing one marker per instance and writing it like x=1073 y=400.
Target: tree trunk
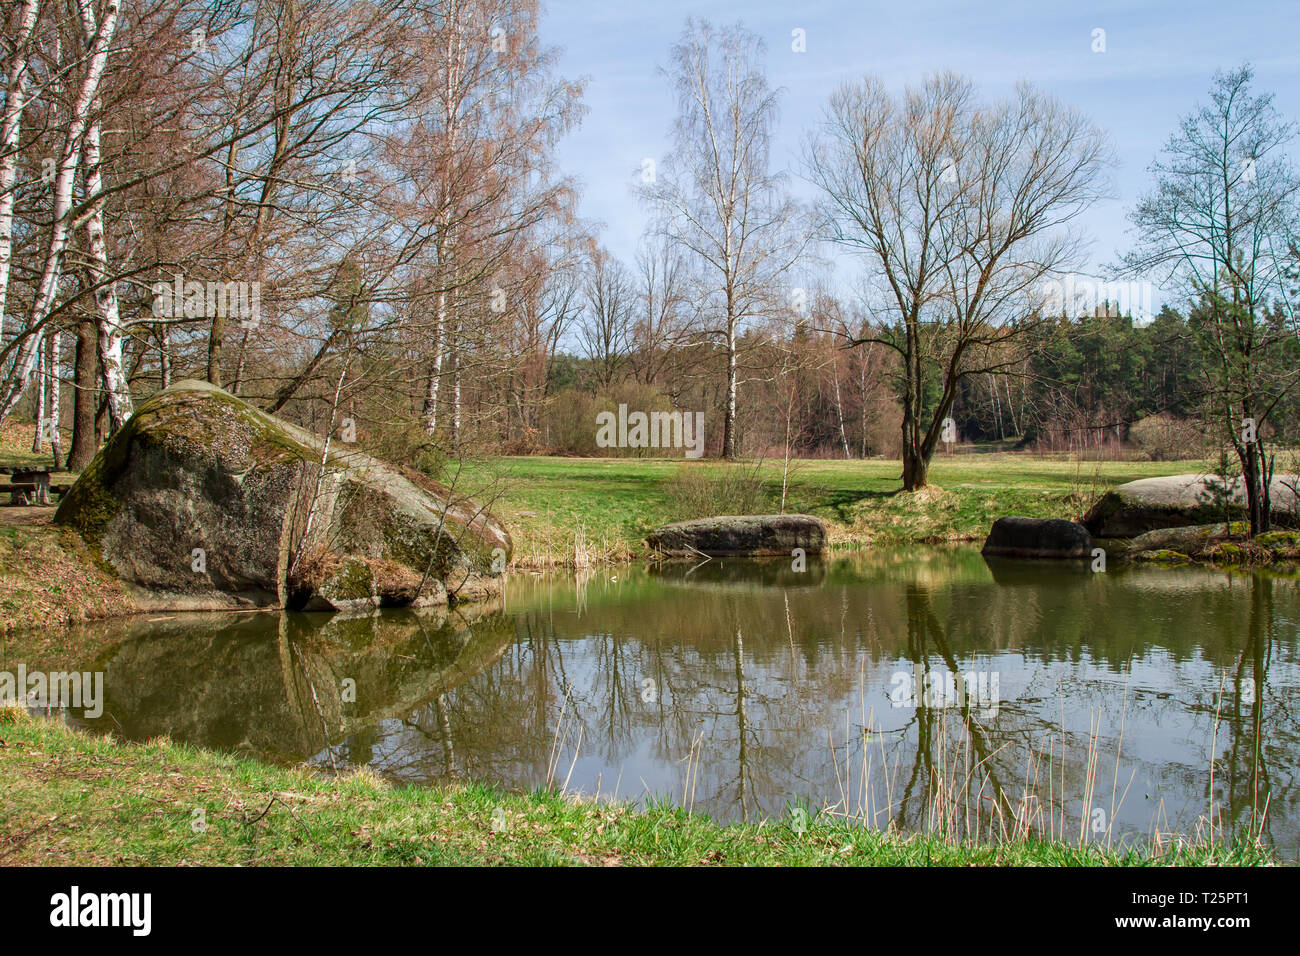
x=1250 y=478
x=52 y=390
x=455 y=388
x=839 y=407
x=164 y=354
x=729 y=423
x=85 y=386
x=915 y=470
x=38 y=437
x=10 y=134
x=108 y=315
x=216 y=338
x=915 y=463
x=435 y=367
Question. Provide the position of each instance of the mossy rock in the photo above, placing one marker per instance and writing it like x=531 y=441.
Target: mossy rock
x=733 y=535
x=1193 y=540
x=1229 y=552
x=1016 y=536
x=202 y=500
x=1164 y=556
x=1281 y=545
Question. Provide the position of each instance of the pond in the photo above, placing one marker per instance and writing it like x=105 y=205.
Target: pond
x=927 y=689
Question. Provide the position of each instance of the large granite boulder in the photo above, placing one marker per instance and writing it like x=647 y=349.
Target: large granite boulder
x=1019 y=537
x=202 y=501
x=1180 y=500
x=740 y=535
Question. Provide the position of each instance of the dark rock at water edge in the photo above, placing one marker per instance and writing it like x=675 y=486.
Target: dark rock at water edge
x=1020 y=537
x=740 y=535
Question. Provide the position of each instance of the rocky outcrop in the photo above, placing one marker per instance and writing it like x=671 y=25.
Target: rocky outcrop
x=740 y=535
x=1019 y=537
x=202 y=501
x=1192 y=540
x=1182 y=500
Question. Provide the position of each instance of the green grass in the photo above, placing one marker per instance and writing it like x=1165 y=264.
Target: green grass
x=616 y=502
x=74 y=799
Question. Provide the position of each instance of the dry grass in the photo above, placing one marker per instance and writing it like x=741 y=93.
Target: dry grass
x=48 y=576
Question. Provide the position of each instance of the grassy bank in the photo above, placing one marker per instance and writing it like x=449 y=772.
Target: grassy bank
x=48 y=576
x=75 y=799
x=567 y=511
x=603 y=508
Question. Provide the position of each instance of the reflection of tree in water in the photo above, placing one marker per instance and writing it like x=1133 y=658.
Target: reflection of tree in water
x=764 y=678
x=937 y=789
x=1254 y=724
x=504 y=721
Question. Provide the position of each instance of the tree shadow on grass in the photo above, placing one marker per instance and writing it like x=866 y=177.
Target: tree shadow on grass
x=842 y=501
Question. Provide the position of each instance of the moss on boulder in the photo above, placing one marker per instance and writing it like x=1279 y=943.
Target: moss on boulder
x=202 y=500
x=1164 y=556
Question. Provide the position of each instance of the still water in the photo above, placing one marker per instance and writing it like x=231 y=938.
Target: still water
x=928 y=689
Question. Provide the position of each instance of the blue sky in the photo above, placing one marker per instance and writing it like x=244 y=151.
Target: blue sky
x=1158 y=64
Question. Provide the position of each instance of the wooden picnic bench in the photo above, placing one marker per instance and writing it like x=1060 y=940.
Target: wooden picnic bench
x=28 y=486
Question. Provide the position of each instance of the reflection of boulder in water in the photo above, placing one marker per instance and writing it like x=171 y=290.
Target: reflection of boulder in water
x=741 y=573
x=274 y=685
x=1063 y=573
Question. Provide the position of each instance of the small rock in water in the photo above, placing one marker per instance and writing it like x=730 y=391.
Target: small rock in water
x=1019 y=537
x=729 y=535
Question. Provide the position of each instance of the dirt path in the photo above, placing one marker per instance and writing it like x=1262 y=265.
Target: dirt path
x=27 y=516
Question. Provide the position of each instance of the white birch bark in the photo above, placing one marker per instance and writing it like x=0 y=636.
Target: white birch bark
x=839 y=407
x=164 y=354
x=108 y=316
x=10 y=133
x=37 y=444
x=70 y=158
x=52 y=354
x=455 y=387
x=435 y=372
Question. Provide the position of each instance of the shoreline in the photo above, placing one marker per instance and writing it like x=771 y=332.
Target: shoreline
x=571 y=514
x=78 y=799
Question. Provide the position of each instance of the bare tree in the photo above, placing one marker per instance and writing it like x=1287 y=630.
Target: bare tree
x=604 y=329
x=716 y=195
x=663 y=308
x=959 y=210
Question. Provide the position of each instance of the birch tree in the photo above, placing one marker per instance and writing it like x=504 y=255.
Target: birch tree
x=716 y=194
x=16 y=83
x=94 y=59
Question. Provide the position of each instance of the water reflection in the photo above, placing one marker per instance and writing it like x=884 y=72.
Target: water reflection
x=1128 y=702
